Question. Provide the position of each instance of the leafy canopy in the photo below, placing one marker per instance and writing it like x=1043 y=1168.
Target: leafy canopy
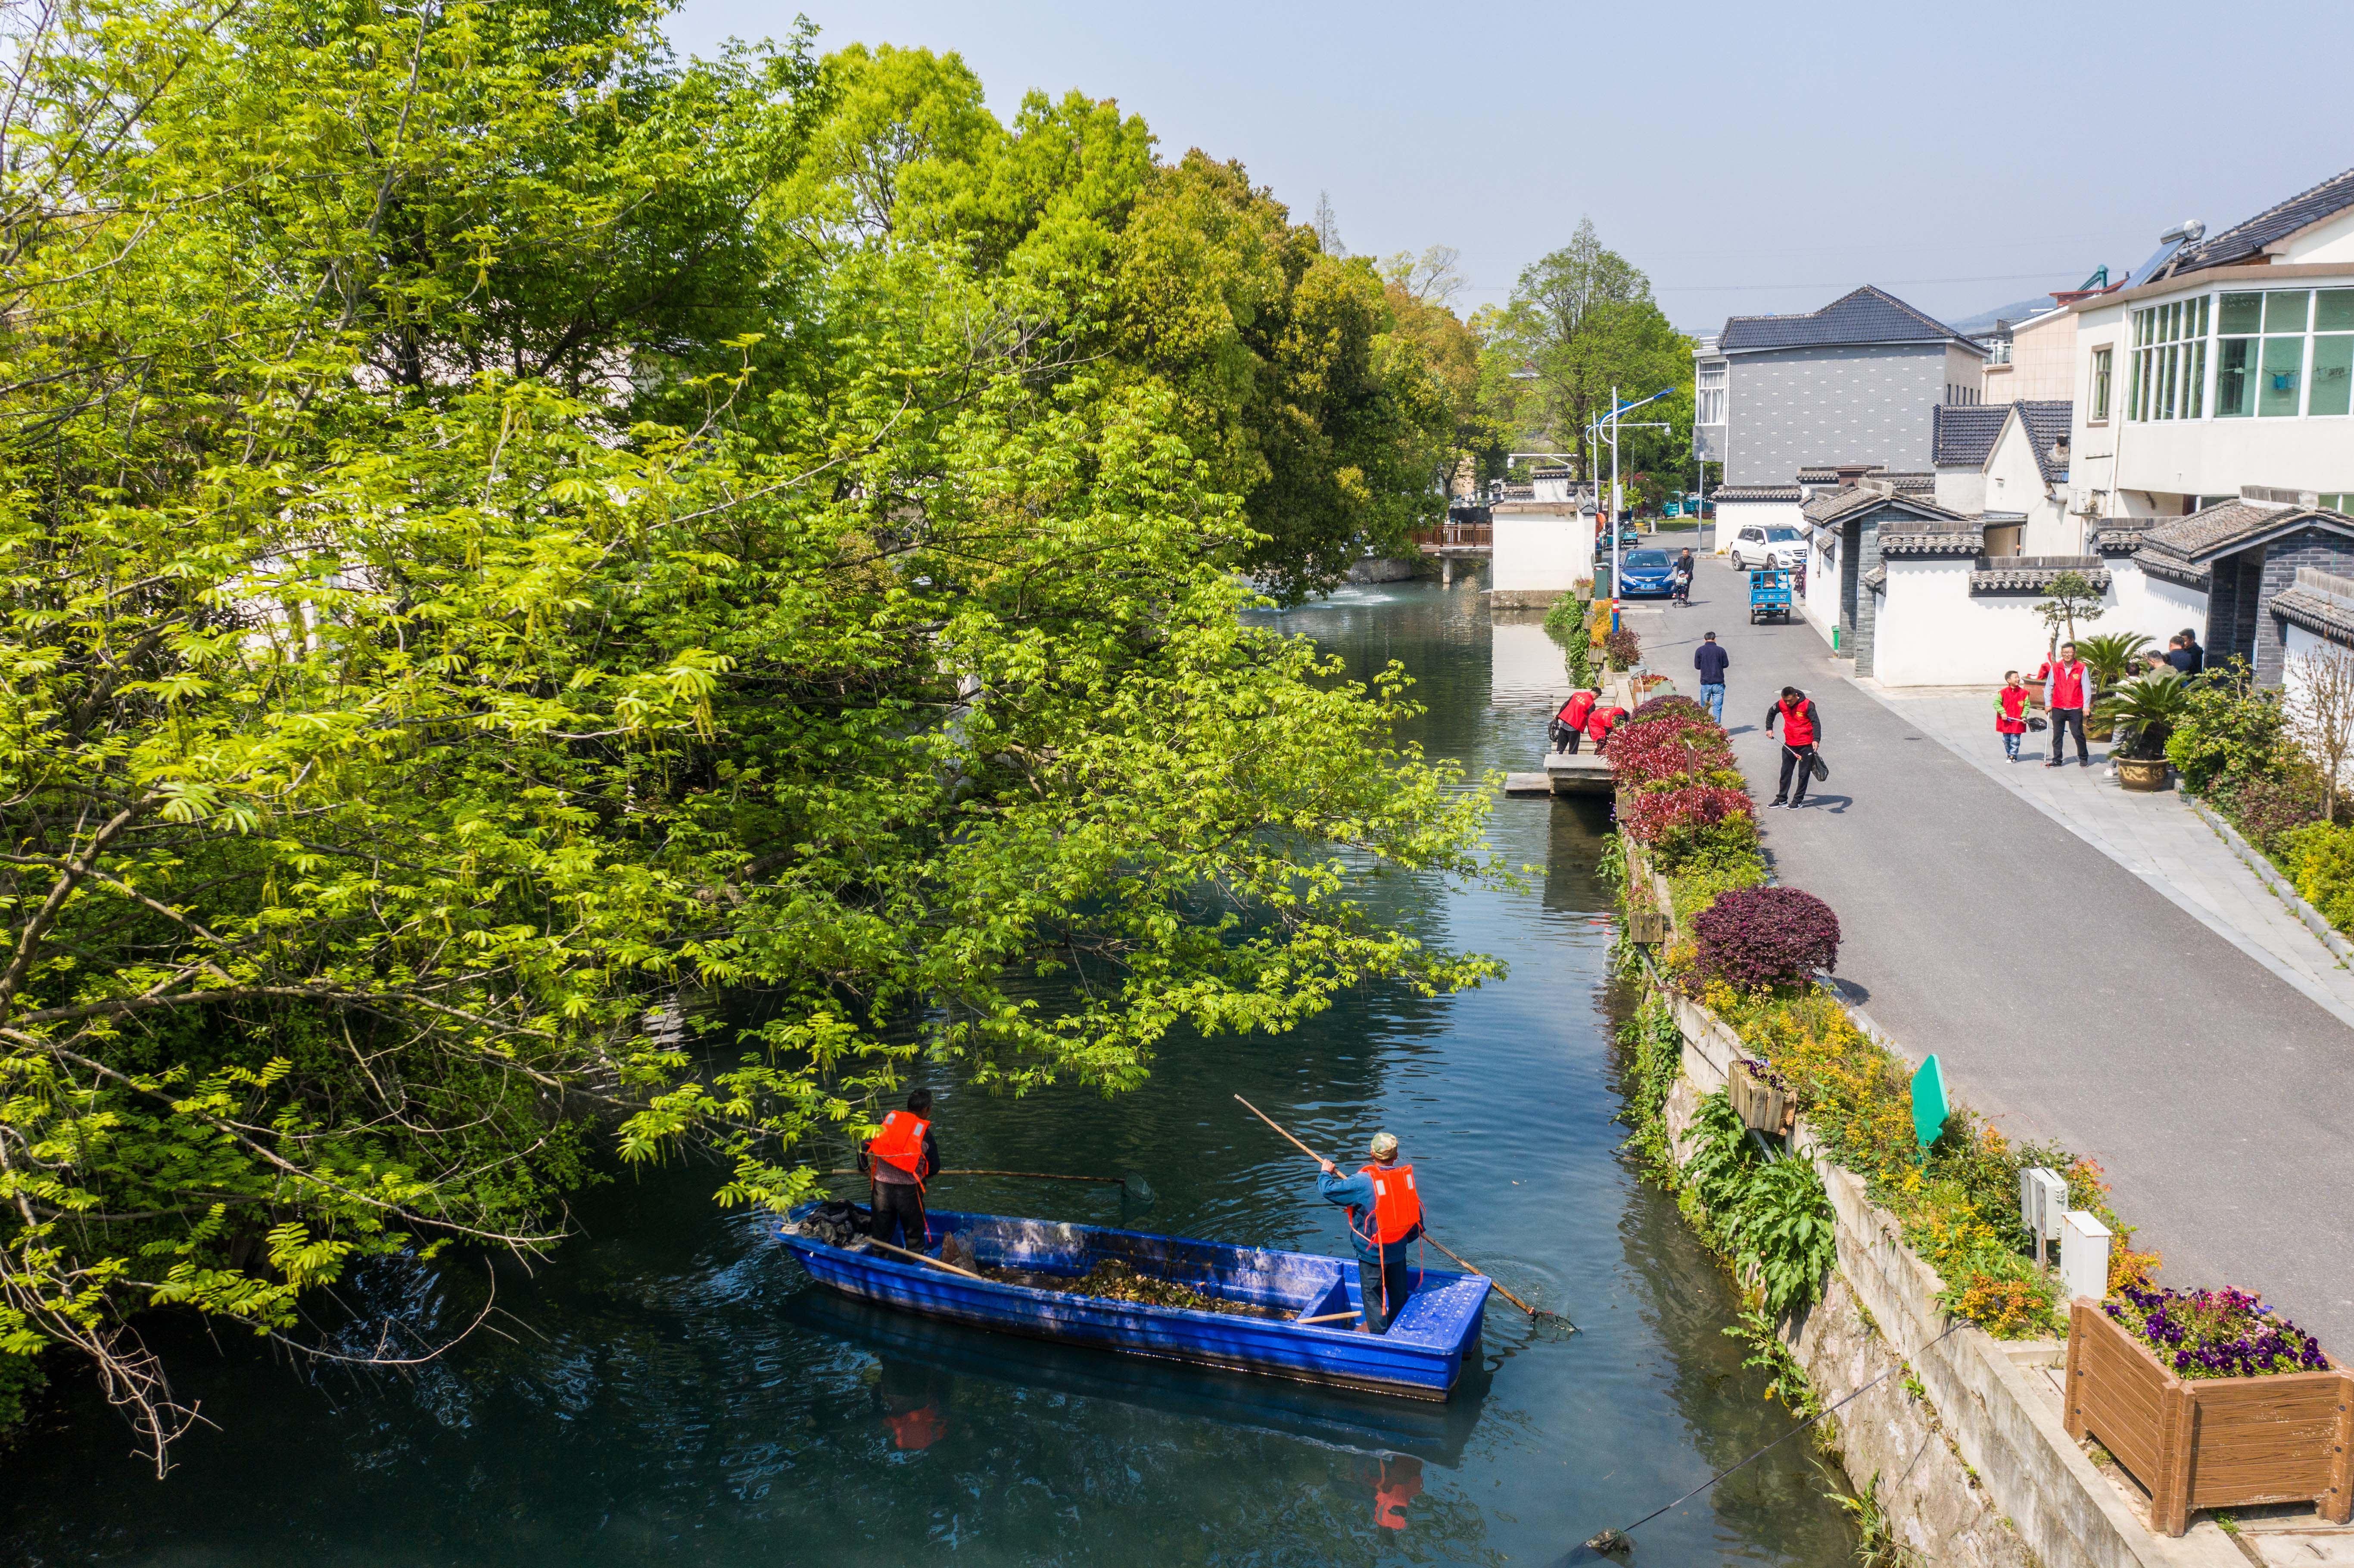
x=503 y=529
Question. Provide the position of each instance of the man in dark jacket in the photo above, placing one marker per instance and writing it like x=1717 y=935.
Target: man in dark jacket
x=1802 y=727
x=2186 y=655
x=1712 y=662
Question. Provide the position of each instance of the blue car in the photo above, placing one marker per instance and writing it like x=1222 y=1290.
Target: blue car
x=1646 y=573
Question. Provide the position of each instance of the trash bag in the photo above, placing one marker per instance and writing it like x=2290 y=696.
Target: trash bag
x=1822 y=768
x=836 y=1223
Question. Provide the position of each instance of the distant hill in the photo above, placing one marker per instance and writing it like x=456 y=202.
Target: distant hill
x=1984 y=320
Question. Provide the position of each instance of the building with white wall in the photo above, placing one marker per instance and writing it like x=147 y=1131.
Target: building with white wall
x=2034 y=359
x=1540 y=549
x=2232 y=366
x=2008 y=464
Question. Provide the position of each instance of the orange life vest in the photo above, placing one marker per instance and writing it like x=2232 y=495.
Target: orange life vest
x=1398 y=1208
x=901 y=1141
x=1393 y=1490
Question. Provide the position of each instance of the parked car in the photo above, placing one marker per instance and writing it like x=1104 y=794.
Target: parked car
x=1646 y=574
x=1762 y=545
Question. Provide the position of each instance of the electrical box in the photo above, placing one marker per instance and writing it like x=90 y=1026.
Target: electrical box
x=2083 y=1256
x=2042 y=1201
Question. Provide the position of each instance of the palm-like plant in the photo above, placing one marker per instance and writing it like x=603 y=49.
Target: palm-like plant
x=2147 y=710
x=2110 y=655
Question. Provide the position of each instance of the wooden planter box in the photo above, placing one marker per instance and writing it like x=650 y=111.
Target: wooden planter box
x=1647 y=927
x=2210 y=1442
x=1759 y=1103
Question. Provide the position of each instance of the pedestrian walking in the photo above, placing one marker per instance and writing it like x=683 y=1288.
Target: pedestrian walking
x=1712 y=661
x=2067 y=692
x=2011 y=713
x=1802 y=730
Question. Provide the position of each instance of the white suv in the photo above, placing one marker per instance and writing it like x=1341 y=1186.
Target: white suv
x=1759 y=545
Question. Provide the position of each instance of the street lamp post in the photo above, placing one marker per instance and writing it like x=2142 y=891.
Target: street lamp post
x=1616 y=417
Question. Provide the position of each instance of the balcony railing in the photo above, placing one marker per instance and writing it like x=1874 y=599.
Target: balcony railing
x=1458 y=536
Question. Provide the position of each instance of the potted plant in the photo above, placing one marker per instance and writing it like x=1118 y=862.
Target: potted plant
x=2144 y=711
x=2211 y=1401
x=2110 y=657
x=1761 y=1096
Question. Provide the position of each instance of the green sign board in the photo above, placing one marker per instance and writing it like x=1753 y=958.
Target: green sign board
x=1929 y=1107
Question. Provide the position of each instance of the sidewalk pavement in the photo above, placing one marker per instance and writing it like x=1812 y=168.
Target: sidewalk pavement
x=2157 y=837
x=2069 y=998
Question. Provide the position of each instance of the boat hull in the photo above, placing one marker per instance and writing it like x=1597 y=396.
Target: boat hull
x=1422 y=1356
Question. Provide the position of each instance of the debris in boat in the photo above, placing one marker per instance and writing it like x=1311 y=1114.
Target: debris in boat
x=834 y=1223
x=1109 y=1280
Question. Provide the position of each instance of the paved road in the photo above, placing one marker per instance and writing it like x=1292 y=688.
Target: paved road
x=2069 y=1000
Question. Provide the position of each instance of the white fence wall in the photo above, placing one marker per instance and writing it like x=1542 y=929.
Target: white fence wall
x=1932 y=631
x=1539 y=550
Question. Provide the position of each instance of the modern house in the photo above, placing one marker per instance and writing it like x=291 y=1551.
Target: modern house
x=1854 y=380
x=2232 y=366
x=2033 y=358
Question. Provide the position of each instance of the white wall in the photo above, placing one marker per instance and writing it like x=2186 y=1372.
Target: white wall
x=1821 y=605
x=1732 y=516
x=1962 y=490
x=2013 y=482
x=1539 y=546
x=1932 y=632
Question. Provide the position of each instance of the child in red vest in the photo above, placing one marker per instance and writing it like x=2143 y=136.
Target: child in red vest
x=2011 y=713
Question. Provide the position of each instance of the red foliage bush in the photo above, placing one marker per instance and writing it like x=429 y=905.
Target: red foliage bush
x=1659 y=707
x=1668 y=747
x=1654 y=814
x=1622 y=648
x=1752 y=937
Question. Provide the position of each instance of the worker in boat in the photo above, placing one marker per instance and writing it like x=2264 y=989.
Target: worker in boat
x=899 y=1160
x=1385 y=1221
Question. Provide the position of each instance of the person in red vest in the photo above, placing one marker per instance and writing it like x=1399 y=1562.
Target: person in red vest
x=1802 y=730
x=1569 y=723
x=1385 y=1221
x=899 y=1160
x=1599 y=723
x=2011 y=713
x=2067 y=692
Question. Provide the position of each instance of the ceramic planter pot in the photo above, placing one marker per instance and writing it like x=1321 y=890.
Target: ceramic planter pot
x=2226 y=1442
x=2147 y=775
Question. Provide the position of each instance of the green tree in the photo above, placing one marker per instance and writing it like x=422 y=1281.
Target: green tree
x=501 y=526
x=1580 y=322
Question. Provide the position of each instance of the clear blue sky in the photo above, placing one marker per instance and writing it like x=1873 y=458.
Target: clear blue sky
x=1749 y=157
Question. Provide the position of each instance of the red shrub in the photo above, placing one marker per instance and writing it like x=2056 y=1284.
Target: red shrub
x=1652 y=708
x=1655 y=814
x=1761 y=935
x=1666 y=748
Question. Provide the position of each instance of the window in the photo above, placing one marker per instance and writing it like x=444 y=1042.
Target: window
x=2285 y=353
x=2100 y=384
x=1711 y=395
x=2333 y=353
x=2335 y=500
x=2169 y=363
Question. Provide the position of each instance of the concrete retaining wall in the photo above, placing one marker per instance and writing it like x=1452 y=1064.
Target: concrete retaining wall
x=1975 y=1470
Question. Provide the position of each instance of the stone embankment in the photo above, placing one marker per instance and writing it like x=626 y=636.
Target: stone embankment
x=1959 y=1441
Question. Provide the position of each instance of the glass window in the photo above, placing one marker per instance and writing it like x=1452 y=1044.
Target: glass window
x=2284 y=311
x=1646 y=560
x=2333 y=310
x=2333 y=375
x=2100 y=384
x=2195 y=383
x=2236 y=375
x=2243 y=312
x=2276 y=386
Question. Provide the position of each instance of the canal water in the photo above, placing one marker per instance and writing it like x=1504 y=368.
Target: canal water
x=671 y=1389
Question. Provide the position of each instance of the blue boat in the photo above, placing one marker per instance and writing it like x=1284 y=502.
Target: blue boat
x=1421 y=1357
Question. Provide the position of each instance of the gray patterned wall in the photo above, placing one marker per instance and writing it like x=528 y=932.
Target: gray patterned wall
x=1797 y=407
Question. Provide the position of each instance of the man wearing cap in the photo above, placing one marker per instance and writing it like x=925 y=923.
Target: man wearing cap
x=1385 y=1221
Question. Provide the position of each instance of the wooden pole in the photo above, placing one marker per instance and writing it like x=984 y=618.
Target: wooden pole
x=1490 y=1278
x=1329 y=1317
x=936 y=1263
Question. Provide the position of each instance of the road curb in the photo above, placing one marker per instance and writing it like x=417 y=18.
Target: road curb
x=2269 y=874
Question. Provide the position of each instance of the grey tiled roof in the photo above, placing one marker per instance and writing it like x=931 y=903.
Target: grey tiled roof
x=2032 y=579
x=2324 y=613
x=1962 y=434
x=1875 y=579
x=1555 y=470
x=2242 y=240
x=1867 y=315
x=1832 y=505
x=2117 y=541
x=1965 y=539
x=2047 y=425
x=1754 y=493
x=2158 y=559
x=2233 y=525
x=1909 y=483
